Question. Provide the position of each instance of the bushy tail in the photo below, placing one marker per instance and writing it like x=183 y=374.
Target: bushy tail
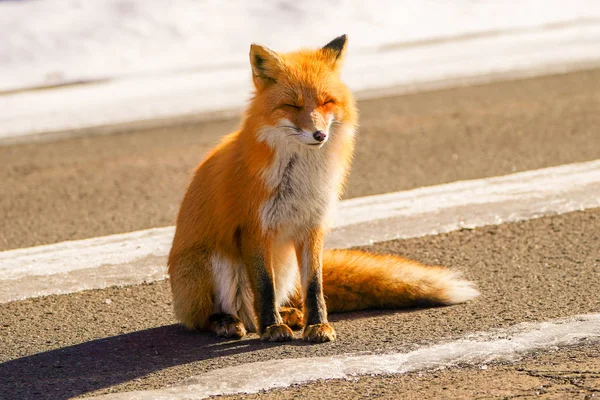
x=355 y=280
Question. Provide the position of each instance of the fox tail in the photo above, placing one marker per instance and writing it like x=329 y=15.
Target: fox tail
x=355 y=280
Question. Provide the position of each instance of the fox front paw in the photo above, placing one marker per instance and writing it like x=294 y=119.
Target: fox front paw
x=319 y=333
x=227 y=326
x=292 y=317
x=277 y=333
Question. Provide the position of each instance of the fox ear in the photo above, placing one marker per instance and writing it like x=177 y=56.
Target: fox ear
x=265 y=65
x=336 y=50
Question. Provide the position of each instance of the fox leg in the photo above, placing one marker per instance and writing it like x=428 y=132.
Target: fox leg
x=258 y=263
x=310 y=260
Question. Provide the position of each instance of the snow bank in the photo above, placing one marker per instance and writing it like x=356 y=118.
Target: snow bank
x=155 y=59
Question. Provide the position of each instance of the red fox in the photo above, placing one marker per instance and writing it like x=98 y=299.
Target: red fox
x=248 y=255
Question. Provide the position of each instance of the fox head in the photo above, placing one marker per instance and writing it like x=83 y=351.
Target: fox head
x=299 y=96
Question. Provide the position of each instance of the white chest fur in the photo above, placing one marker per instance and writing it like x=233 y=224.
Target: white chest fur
x=305 y=184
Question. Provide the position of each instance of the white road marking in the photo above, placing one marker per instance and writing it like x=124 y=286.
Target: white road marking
x=132 y=258
x=475 y=349
x=467 y=204
x=64 y=257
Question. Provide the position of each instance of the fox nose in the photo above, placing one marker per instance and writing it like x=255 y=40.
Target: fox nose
x=319 y=136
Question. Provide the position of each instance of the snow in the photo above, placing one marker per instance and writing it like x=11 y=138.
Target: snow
x=59 y=41
x=155 y=59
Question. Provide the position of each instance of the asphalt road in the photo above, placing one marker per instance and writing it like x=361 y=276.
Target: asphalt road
x=97 y=186
x=127 y=339
x=120 y=339
x=567 y=374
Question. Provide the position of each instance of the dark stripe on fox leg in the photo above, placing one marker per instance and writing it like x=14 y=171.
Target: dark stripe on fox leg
x=264 y=295
x=315 y=310
x=310 y=260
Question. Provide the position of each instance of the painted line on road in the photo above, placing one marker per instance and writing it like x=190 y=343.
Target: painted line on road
x=478 y=349
x=137 y=257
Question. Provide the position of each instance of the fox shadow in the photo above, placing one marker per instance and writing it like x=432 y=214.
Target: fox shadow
x=83 y=368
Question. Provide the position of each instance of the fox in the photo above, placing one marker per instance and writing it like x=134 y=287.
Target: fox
x=248 y=251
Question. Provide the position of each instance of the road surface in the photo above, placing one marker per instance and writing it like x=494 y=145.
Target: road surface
x=125 y=338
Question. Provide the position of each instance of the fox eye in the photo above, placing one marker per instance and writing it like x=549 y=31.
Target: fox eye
x=292 y=106
x=330 y=101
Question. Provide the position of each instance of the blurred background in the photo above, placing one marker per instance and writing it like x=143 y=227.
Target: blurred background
x=106 y=62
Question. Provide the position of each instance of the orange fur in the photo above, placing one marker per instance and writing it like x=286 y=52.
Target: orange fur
x=355 y=280
x=249 y=234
